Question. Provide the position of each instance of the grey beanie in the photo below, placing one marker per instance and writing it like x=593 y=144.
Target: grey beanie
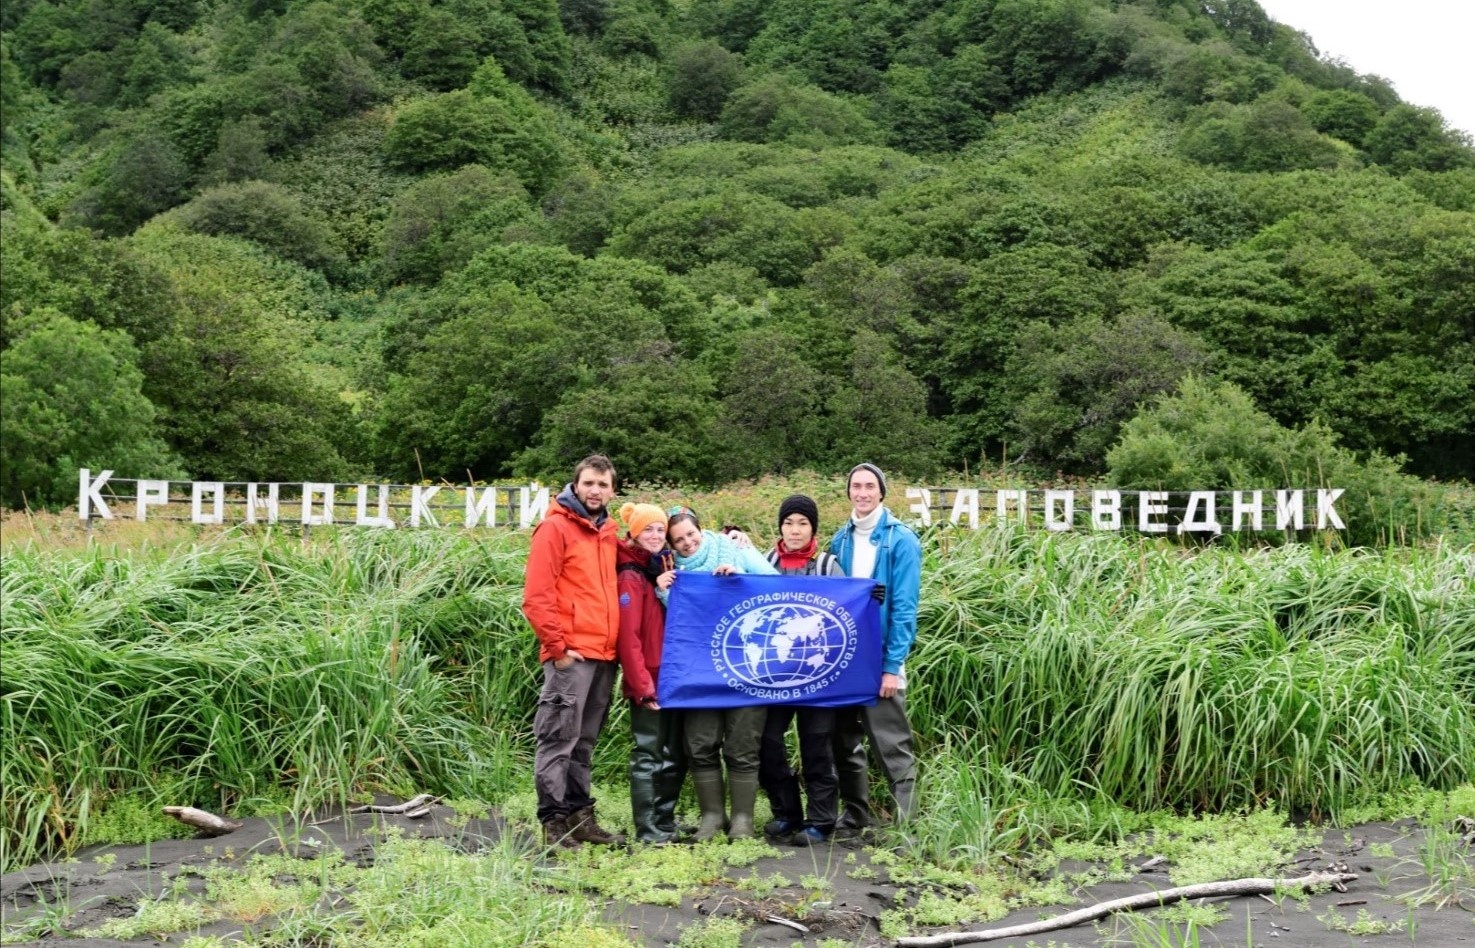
x=866 y=466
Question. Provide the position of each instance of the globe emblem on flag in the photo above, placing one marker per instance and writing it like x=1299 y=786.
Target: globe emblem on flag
x=784 y=646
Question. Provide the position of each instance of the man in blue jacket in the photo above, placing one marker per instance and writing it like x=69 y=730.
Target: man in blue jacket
x=875 y=545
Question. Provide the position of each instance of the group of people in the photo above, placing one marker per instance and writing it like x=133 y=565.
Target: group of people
x=597 y=603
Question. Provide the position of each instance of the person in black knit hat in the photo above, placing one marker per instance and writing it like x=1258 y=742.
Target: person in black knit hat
x=797 y=553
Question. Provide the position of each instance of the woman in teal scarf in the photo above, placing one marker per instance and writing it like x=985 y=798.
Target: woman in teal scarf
x=732 y=734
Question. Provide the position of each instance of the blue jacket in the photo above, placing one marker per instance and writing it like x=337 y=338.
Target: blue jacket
x=899 y=569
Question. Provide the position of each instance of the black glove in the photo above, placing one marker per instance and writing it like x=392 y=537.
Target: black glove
x=878 y=592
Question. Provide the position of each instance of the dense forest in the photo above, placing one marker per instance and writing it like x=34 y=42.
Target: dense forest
x=423 y=239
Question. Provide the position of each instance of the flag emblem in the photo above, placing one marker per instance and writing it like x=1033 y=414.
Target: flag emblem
x=733 y=641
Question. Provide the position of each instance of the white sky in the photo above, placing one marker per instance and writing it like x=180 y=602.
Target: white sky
x=1425 y=48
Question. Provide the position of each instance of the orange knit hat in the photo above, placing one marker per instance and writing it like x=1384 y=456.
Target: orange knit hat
x=639 y=516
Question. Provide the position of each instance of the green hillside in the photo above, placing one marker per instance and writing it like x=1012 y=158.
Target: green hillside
x=280 y=240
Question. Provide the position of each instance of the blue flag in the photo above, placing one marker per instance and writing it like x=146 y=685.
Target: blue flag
x=738 y=641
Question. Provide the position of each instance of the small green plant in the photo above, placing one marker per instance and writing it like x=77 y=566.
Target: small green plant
x=1200 y=914
x=1139 y=932
x=762 y=886
x=1362 y=924
x=714 y=933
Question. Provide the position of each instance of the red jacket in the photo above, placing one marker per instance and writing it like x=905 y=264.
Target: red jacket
x=642 y=625
x=569 y=594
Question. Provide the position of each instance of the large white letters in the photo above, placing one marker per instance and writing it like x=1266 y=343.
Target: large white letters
x=197 y=493
x=420 y=506
x=271 y=503
x=921 y=504
x=1066 y=499
x=1325 y=512
x=1020 y=499
x=532 y=502
x=484 y=505
x=1290 y=510
x=965 y=504
x=495 y=506
x=1106 y=509
x=1201 y=517
x=150 y=494
x=380 y=519
x=1152 y=504
x=90 y=495
x=309 y=493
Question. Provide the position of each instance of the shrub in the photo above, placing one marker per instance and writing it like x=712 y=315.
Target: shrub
x=71 y=396
x=444 y=132
x=1210 y=436
x=265 y=213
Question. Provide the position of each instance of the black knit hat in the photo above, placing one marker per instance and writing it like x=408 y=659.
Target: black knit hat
x=866 y=466
x=799 y=504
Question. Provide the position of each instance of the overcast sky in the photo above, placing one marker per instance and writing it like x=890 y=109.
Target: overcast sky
x=1423 y=47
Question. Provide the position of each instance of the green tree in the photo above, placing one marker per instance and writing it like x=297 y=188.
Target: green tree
x=777 y=109
x=265 y=213
x=1073 y=386
x=442 y=221
x=146 y=176
x=160 y=59
x=474 y=392
x=1409 y=137
x=1044 y=44
x=446 y=131
x=1266 y=136
x=88 y=280
x=237 y=396
x=653 y=413
x=1006 y=294
x=71 y=397
x=442 y=51
x=1211 y=436
x=241 y=154
x=703 y=75
x=772 y=418
x=1342 y=114
x=879 y=413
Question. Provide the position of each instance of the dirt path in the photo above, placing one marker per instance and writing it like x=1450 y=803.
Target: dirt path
x=834 y=891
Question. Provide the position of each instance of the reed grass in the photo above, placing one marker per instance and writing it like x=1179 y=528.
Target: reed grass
x=1055 y=681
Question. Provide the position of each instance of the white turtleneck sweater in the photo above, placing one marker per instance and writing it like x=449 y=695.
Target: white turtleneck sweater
x=863 y=559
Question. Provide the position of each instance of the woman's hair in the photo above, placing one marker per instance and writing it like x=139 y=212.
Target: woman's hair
x=678 y=513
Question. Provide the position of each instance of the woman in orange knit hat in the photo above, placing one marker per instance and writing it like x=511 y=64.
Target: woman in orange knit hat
x=658 y=758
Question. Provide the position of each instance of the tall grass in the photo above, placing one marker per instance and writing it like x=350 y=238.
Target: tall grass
x=232 y=670
x=1098 y=668
x=1055 y=677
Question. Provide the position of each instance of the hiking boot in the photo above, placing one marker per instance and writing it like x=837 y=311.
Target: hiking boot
x=781 y=829
x=851 y=827
x=556 y=834
x=809 y=836
x=586 y=829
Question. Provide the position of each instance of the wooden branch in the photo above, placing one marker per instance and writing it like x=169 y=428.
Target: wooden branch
x=780 y=920
x=202 y=820
x=1335 y=880
x=423 y=800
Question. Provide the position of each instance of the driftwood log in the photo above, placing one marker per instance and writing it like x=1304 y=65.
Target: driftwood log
x=203 y=820
x=423 y=801
x=1335 y=880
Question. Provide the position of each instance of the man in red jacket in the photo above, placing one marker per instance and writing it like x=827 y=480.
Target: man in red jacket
x=571 y=601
